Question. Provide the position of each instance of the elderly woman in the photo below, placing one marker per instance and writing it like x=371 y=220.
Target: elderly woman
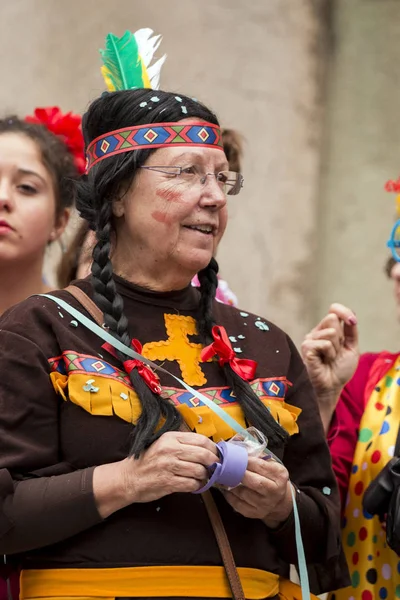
x=98 y=473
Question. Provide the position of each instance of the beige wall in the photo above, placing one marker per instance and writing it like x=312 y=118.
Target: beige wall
x=254 y=62
x=361 y=152
x=262 y=65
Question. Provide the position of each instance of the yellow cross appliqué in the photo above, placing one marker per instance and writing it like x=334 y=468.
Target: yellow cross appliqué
x=178 y=347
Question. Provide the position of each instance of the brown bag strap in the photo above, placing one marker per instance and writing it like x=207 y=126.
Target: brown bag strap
x=209 y=502
x=224 y=546
x=87 y=303
x=222 y=540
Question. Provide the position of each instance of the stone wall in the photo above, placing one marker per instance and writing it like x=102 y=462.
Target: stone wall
x=258 y=64
x=361 y=152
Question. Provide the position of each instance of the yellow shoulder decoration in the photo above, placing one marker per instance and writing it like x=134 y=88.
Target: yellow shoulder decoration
x=103 y=396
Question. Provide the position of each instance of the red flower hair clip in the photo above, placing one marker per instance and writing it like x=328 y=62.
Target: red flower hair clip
x=65 y=126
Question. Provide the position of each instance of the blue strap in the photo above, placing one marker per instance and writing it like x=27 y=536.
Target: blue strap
x=301 y=557
x=102 y=333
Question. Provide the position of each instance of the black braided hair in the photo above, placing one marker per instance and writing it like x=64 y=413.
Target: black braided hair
x=107 y=181
x=255 y=412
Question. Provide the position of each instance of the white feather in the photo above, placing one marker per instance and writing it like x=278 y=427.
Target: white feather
x=147 y=46
x=154 y=72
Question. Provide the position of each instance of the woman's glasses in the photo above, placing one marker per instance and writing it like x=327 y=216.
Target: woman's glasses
x=230 y=181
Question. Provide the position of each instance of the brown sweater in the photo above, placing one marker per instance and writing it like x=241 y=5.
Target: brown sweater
x=66 y=406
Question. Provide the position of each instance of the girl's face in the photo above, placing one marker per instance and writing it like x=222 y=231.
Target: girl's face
x=28 y=219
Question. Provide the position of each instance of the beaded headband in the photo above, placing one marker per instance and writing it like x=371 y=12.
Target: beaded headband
x=155 y=135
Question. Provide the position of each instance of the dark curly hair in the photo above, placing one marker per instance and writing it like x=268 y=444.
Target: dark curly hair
x=95 y=193
x=55 y=156
x=233 y=146
x=389 y=264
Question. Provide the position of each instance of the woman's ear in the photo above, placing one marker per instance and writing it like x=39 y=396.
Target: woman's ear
x=118 y=207
x=60 y=224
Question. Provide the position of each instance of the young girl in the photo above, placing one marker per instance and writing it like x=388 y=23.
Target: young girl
x=39 y=160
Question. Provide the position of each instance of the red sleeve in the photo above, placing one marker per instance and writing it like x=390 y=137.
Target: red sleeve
x=343 y=432
x=14 y=583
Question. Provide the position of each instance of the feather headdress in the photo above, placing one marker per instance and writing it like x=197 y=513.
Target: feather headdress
x=127 y=65
x=127 y=61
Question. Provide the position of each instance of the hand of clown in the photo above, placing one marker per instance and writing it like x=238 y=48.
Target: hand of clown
x=330 y=350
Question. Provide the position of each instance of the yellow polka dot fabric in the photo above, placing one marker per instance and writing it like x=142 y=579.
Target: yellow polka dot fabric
x=374 y=567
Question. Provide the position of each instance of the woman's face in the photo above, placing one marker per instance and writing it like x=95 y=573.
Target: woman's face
x=27 y=201
x=169 y=222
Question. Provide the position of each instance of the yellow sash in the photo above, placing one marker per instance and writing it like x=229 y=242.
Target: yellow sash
x=148 y=582
x=374 y=567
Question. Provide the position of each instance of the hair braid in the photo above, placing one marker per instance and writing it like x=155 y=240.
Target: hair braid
x=208 y=287
x=154 y=407
x=254 y=410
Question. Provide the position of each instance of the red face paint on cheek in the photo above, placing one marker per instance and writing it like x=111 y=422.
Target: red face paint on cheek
x=169 y=195
x=162 y=217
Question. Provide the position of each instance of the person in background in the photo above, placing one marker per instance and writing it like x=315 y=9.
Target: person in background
x=76 y=260
x=40 y=159
x=392 y=270
x=37 y=173
x=359 y=402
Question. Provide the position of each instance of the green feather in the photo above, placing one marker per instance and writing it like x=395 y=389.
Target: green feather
x=122 y=63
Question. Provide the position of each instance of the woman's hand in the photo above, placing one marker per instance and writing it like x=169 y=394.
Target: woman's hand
x=176 y=462
x=264 y=492
x=330 y=353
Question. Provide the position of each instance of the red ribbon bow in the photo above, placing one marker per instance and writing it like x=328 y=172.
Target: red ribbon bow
x=222 y=347
x=150 y=378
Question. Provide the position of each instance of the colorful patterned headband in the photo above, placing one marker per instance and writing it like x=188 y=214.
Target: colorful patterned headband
x=155 y=135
